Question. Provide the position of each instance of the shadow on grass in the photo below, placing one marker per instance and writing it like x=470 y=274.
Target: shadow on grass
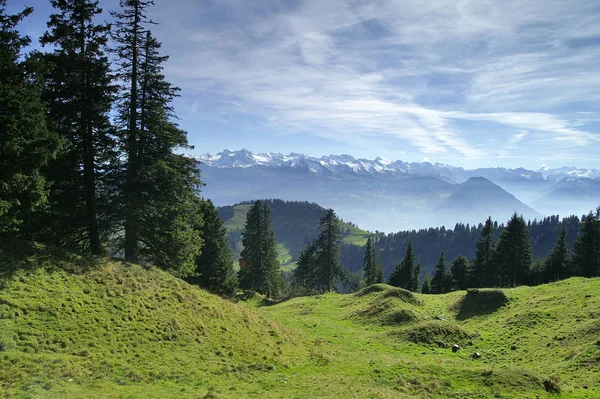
x=17 y=255
x=479 y=302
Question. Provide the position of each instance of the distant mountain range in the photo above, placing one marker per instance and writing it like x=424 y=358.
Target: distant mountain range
x=387 y=195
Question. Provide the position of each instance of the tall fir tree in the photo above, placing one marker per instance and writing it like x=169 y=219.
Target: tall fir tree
x=558 y=264
x=586 y=249
x=160 y=186
x=79 y=92
x=484 y=273
x=513 y=256
x=403 y=275
x=214 y=267
x=26 y=143
x=415 y=283
x=261 y=271
x=459 y=272
x=330 y=268
x=426 y=286
x=439 y=282
x=372 y=270
x=305 y=275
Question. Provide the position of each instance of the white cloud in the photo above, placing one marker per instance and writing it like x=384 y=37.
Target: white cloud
x=429 y=74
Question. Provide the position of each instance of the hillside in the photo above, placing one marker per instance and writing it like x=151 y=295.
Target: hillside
x=74 y=326
x=295 y=224
x=532 y=341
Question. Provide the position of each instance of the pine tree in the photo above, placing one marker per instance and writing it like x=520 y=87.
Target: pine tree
x=306 y=273
x=426 y=286
x=439 y=282
x=328 y=252
x=214 y=267
x=557 y=264
x=159 y=185
x=403 y=275
x=513 y=256
x=262 y=272
x=459 y=271
x=79 y=94
x=586 y=249
x=26 y=143
x=372 y=270
x=129 y=36
x=415 y=279
x=484 y=273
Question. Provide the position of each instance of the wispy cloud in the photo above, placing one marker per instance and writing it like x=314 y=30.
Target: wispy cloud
x=459 y=79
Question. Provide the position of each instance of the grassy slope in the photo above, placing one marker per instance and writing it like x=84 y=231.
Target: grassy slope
x=116 y=330
x=543 y=332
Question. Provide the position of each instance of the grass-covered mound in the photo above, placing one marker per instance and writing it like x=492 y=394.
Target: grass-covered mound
x=441 y=333
x=386 y=306
x=69 y=322
x=480 y=301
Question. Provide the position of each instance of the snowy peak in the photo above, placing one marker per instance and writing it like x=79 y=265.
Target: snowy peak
x=347 y=164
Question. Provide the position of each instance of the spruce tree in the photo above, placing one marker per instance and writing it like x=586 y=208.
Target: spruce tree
x=214 y=267
x=330 y=269
x=426 y=286
x=305 y=274
x=557 y=264
x=372 y=270
x=484 y=273
x=131 y=29
x=26 y=143
x=586 y=249
x=415 y=284
x=459 y=272
x=79 y=93
x=160 y=185
x=513 y=256
x=403 y=275
x=439 y=282
x=261 y=272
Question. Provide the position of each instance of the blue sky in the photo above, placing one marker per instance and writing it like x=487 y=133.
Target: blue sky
x=469 y=83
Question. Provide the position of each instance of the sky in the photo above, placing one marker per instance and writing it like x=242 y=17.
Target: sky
x=480 y=83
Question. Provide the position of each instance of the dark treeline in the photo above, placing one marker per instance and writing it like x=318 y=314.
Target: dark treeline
x=460 y=241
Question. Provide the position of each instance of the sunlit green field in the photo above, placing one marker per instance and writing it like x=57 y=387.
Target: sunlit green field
x=73 y=326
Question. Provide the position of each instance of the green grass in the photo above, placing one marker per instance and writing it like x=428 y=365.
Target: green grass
x=238 y=221
x=355 y=236
x=78 y=326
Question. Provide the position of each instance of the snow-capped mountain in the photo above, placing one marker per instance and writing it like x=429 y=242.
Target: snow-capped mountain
x=348 y=164
x=386 y=195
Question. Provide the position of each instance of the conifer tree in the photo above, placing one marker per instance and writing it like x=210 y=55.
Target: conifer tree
x=214 y=267
x=484 y=273
x=586 y=249
x=79 y=93
x=557 y=264
x=459 y=272
x=26 y=143
x=403 y=275
x=160 y=207
x=439 y=282
x=262 y=271
x=426 y=286
x=306 y=272
x=328 y=252
x=372 y=270
x=514 y=255
x=415 y=284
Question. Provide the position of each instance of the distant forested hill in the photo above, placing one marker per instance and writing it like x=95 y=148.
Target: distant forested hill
x=296 y=224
